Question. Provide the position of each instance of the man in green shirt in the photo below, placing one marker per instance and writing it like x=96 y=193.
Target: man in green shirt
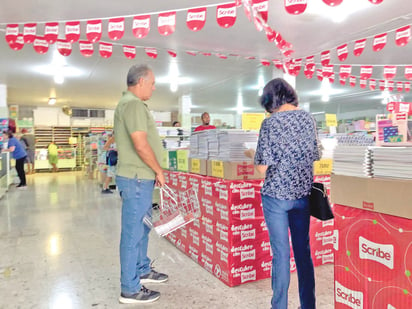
x=139 y=149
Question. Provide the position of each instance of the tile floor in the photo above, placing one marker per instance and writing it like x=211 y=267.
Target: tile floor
x=59 y=250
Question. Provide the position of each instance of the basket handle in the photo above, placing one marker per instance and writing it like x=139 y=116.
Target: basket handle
x=165 y=189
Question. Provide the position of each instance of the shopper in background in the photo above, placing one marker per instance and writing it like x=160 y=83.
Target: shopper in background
x=139 y=149
x=287 y=147
x=176 y=123
x=30 y=141
x=19 y=154
x=205 y=123
x=110 y=145
x=52 y=155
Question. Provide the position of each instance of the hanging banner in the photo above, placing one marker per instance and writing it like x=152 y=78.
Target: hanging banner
x=408 y=72
x=391 y=85
x=352 y=81
x=226 y=15
x=64 y=47
x=151 y=52
x=115 y=28
x=295 y=7
x=166 y=23
x=325 y=57
x=319 y=75
x=72 y=31
x=208 y=54
x=327 y=71
x=12 y=31
x=172 y=53
x=379 y=42
x=399 y=86
x=403 y=35
x=362 y=83
x=366 y=71
x=359 y=47
x=389 y=71
x=382 y=85
x=40 y=45
x=372 y=84
x=270 y=34
x=105 y=49
x=332 y=78
x=375 y=1
x=265 y=62
x=309 y=70
x=191 y=53
x=51 y=32
x=94 y=30
x=310 y=60
x=333 y=2
x=141 y=26
x=345 y=71
x=407 y=86
x=342 y=81
x=342 y=52
x=278 y=64
x=18 y=43
x=129 y=51
x=29 y=33
x=222 y=56
x=260 y=8
x=86 y=48
x=196 y=19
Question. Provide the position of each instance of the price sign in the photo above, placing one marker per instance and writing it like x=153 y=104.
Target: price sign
x=323 y=167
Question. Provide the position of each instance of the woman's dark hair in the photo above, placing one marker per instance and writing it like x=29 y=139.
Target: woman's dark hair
x=9 y=133
x=276 y=93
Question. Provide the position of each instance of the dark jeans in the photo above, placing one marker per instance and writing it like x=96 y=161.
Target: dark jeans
x=20 y=170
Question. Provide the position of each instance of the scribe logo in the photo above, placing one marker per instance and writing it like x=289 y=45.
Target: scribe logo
x=248 y=276
x=353 y=299
x=247 y=214
x=251 y=234
x=380 y=253
x=248 y=255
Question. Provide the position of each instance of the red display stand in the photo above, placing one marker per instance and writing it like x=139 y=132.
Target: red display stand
x=230 y=240
x=373 y=260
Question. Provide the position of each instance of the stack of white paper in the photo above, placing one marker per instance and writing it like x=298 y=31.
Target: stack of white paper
x=233 y=143
x=352 y=161
x=394 y=162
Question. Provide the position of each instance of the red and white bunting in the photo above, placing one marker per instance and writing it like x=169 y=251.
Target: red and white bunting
x=105 y=49
x=12 y=31
x=407 y=86
x=376 y=1
x=172 y=53
x=389 y=71
x=129 y=51
x=270 y=34
x=319 y=75
x=379 y=41
x=206 y=54
x=191 y=53
x=226 y=15
x=265 y=62
x=115 y=28
x=327 y=71
x=72 y=31
x=408 y=72
x=342 y=81
x=278 y=64
x=196 y=19
x=382 y=85
x=94 y=30
x=141 y=26
x=29 y=33
x=151 y=52
x=399 y=86
x=295 y=7
x=18 y=43
x=64 y=47
x=40 y=45
x=359 y=47
x=260 y=16
x=391 y=85
x=325 y=57
x=332 y=78
x=287 y=53
x=310 y=60
x=362 y=83
x=166 y=23
x=366 y=71
x=309 y=70
x=352 y=81
x=345 y=71
x=403 y=35
x=221 y=56
x=342 y=52
x=51 y=32
x=86 y=48
x=372 y=84
x=333 y=2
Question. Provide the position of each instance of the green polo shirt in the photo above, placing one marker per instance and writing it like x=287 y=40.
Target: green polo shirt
x=133 y=115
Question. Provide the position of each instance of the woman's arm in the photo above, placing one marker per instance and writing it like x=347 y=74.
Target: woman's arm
x=250 y=153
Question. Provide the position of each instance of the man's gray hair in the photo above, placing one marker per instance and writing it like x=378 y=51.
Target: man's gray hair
x=136 y=72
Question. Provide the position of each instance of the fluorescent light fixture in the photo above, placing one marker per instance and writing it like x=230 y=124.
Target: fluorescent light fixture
x=169 y=79
x=59 y=79
x=52 y=101
x=337 y=13
x=173 y=86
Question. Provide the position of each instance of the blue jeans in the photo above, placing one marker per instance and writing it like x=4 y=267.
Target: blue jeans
x=279 y=216
x=136 y=197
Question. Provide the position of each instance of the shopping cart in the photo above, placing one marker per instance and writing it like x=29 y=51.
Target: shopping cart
x=175 y=210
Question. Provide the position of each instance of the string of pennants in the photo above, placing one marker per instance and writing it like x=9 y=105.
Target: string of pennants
x=296 y=7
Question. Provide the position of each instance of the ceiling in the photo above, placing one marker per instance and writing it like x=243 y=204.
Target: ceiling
x=215 y=83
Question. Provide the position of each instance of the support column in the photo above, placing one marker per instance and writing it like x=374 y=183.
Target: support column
x=185 y=104
x=4 y=111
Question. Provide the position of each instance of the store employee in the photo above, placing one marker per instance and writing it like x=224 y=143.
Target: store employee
x=205 y=123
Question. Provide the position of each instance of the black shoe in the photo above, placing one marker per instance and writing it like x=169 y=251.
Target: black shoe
x=144 y=296
x=107 y=191
x=154 y=277
x=21 y=186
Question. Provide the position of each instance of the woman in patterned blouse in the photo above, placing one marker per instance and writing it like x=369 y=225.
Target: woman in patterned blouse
x=286 y=149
